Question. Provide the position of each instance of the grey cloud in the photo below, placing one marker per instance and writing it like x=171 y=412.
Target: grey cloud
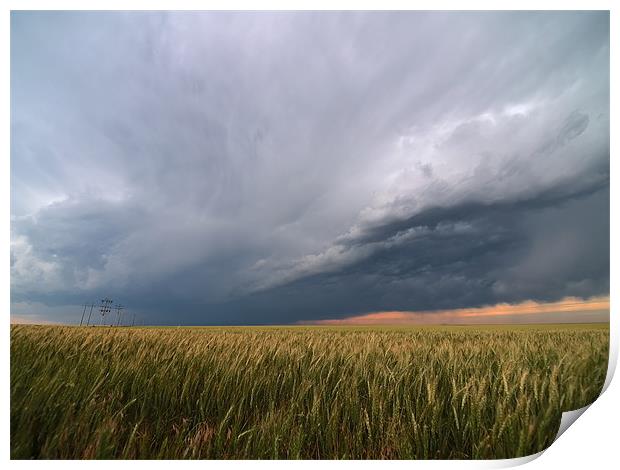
x=271 y=167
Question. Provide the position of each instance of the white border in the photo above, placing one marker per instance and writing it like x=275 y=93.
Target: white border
x=591 y=442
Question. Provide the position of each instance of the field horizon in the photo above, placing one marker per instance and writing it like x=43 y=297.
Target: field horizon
x=297 y=325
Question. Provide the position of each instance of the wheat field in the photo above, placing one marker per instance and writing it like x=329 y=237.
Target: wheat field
x=298 y=392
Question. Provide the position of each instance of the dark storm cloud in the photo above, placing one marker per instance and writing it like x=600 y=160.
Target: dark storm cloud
x=272 y=167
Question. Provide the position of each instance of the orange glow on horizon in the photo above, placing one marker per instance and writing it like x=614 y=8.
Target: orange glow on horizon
x=564 y=310
x=26 y=320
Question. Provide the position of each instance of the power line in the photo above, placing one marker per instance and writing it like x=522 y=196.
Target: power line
x=105 y=307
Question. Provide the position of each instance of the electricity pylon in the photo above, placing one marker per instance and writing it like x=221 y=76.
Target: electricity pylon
x=119 y=309
x=105 y=307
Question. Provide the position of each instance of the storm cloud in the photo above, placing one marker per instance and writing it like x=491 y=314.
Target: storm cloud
x=265 y=167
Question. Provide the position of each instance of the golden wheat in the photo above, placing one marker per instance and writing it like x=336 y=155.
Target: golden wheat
x=298 y=392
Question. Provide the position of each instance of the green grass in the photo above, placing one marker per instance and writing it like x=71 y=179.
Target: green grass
x=298 y=392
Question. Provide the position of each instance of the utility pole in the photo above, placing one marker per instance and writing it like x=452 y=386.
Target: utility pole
x=90 y=313
x=133 y=320
x=83 y=312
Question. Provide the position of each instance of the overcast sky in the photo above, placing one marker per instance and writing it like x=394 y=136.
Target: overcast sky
x=216 y=168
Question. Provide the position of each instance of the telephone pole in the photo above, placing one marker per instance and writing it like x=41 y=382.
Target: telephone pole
x=83 y=312
x=90 y=313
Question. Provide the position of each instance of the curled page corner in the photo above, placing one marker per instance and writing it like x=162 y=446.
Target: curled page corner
x=514 y=462
x=568 y=418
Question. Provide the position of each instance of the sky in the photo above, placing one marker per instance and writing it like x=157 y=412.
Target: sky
x=309 y=167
